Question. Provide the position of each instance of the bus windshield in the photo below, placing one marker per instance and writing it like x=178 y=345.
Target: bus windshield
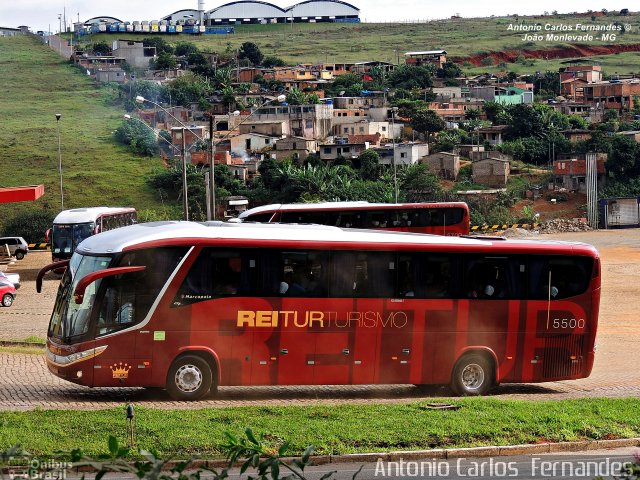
x=67 y=237
x=70 y=319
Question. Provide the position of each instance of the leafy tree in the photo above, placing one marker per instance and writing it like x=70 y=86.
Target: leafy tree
x=577 y=122
x=251 y=52
x=611 y=115
x=409 y=108
x=165 y=61
x=369 y=161
x=30 y=225
x=350 y=84
x=427 y=122
x=418 y=184
x=472 y=114
x=525 y=122
x=160 y=43
x=137 y=135
x=624 y=157
x=450 y=70
x=493 y=110
x=197 y=59
x=184 y=49
x=101 y=48
x=411 y=76
x=271 y=61
x=188 y=88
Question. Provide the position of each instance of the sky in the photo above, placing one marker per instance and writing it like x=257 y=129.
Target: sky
x=43 y=14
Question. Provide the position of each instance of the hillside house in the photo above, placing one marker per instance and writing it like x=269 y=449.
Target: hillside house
x=443 y=164
x=350 y=103
x=251 y=142
x=632 y=134
x=271 y=128
x=493 y=134
x=405 y=153
x=373 y=140
x=308 y=121
x=297 y=148
x=363 y=128
x=571 y=173
x=577 y=134
x=348 y=115
x=134 y=53
x=429 y=57
x=493 y=172
x=344 y=149
x=615 y=94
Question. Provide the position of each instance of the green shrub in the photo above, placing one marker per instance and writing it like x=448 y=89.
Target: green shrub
x=31 y=225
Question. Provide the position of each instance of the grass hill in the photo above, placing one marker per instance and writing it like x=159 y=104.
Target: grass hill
x=466 y=39
x=37 y=83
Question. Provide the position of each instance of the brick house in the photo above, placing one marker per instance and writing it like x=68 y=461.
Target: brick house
x=571 y=173
x=443 y=164
x=491 y=171
x=298 y=148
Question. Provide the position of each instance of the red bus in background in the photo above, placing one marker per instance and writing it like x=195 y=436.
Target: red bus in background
x=439 y=218
x=190 y=306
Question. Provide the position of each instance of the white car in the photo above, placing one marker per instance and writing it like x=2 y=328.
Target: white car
x=13 y=278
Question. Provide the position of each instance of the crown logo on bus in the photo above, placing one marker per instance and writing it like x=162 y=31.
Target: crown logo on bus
x=120 y=370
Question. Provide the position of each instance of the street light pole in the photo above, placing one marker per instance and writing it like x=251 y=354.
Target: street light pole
x=212 y=199
x=393 y=138
x=58 y=116
x=185 y=203
x=212 y=190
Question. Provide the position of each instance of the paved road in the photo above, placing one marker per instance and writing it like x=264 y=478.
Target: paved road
x=26 y=384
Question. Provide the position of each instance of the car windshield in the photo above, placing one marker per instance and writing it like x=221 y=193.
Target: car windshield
x=70 y=319
x=67 y=237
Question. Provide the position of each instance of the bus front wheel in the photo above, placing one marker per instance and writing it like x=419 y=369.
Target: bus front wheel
x=472 y=375
x=189 y=378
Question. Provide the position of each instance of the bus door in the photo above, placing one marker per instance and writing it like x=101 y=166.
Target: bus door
x=389 y=279
x=121 y=363
x=136 y=345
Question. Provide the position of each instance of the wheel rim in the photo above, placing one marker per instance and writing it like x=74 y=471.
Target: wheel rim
x=188 y=378
x=472 y=377
x=7 y=300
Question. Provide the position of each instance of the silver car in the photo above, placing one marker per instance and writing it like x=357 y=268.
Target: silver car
x=16 y=246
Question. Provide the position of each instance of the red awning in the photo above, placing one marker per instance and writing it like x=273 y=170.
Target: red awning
x=21 y=194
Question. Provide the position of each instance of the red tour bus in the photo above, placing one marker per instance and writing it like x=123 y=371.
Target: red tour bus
x=190 y=306
x=440 y=218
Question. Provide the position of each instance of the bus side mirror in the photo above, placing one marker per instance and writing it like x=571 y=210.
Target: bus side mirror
x=53 y=266
x=47 y=235
x=93 y=276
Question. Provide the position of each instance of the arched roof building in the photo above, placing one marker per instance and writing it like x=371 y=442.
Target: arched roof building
x=255 y=11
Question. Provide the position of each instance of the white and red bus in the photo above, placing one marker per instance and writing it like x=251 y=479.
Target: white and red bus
x=70 y=227
x=440 y=218
x=191 y=306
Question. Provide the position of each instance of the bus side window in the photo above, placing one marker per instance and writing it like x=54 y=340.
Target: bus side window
x=487 y=278
x=436 y=273
x=559 y=277
x=304 y=274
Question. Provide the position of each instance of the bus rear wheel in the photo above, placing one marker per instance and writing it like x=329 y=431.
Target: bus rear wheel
x=472 y=375
x=189 y=378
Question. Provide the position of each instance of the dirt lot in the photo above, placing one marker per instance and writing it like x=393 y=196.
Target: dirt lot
x=615 y=371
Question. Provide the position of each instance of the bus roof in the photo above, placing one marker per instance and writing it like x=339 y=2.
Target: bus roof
x=84 y=215
x=345 y=206
x=305 y=236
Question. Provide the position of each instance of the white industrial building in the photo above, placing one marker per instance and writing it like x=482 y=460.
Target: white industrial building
x=252 y=11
